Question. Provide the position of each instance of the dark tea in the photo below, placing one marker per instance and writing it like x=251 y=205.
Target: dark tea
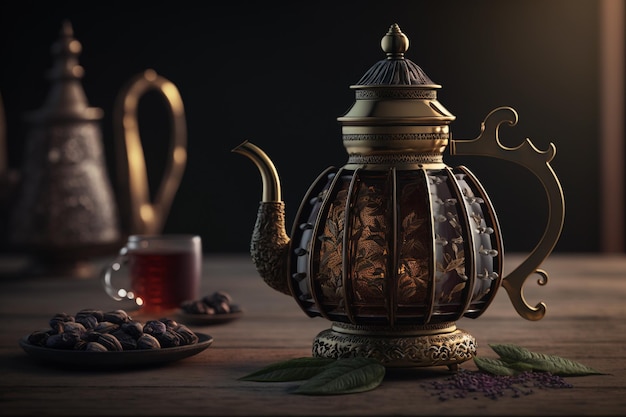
x=163 y=279
x=162 y=271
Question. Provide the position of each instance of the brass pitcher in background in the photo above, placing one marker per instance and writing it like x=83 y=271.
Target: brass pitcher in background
x=64 y=210
x=395 y=246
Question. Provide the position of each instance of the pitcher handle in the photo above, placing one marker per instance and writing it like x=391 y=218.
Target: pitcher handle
x=538 y=162
x=144 y=216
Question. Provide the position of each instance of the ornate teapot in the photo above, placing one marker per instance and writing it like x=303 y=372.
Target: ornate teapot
x=64 y=209
x=395 y=246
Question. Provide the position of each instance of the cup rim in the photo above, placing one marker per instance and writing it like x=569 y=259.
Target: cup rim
x=168 y=237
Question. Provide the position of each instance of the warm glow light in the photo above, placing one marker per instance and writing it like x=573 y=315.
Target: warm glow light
x=75 y=46
x=78 y=71
x=170 y=90
x=612 y=104
x=135 y=155
x=129 y=122
x=150 y=75
x=180 y=155
x=147 y=213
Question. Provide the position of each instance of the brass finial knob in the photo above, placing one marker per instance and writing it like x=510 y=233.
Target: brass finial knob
x=395 y=69
x=66 y=50
x=394 y=43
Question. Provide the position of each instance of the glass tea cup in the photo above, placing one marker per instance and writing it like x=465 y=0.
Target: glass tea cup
x=156 y=272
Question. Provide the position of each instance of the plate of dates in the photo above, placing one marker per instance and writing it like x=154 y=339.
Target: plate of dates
x=209 y=319
x=215 y=308
x=96 y=339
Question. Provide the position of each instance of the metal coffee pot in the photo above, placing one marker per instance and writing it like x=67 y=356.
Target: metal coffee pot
x=64 y=209
x=395 y=246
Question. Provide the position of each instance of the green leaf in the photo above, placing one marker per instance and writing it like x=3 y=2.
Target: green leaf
x=511 y=353
x=494 y=366
x=345 y=376
x=517 y=356
x=521 y=366
x=297 y=369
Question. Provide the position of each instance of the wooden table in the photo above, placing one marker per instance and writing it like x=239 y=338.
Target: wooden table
x=586 y=299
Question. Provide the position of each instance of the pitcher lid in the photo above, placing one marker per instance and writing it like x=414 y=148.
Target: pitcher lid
x=66 y=99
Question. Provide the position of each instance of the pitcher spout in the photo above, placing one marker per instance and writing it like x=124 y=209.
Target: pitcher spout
x=270 y=244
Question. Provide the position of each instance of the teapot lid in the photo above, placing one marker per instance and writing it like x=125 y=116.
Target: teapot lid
x=396 y=90
x=396 y=115
x=395 y=69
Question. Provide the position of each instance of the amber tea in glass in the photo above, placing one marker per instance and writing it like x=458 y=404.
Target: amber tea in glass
x=162 y=271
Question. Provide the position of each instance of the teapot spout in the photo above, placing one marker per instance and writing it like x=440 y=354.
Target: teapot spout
x=270 y=243
x=269 y=175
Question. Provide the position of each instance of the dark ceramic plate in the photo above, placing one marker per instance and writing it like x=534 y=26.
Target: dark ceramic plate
x=118 y=360
x=208 y=319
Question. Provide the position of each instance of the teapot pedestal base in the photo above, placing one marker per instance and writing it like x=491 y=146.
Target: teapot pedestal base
x=398 y=346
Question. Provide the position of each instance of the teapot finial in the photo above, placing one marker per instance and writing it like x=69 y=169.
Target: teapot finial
x=395 y=69
x=395 y=43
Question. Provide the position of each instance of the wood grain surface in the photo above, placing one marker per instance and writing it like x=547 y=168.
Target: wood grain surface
x=585 y=322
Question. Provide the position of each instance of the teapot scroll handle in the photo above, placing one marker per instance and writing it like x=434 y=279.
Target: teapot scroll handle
x=145 y=216
x=538 y=162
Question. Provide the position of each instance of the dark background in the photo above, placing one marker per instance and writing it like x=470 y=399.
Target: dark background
x=279 y=76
